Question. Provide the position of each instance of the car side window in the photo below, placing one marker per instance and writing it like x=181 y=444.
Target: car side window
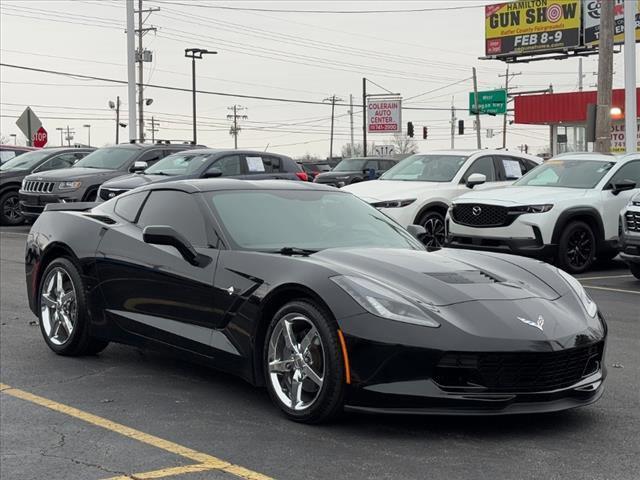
x=64 y=160
x=272 y=164
x=229 y=165
x=528 y=164
x=151 y=156
x=483 y=165
x=178 y=210
x=387 y=164
x=128 y=206
x=630 y=171
x=372 y=164
x=512 y=167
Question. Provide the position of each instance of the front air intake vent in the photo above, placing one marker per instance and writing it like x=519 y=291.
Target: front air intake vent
x=465 y=277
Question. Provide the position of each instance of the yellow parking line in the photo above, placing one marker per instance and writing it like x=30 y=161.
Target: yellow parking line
x=203 y=459
x=637 y=292
x=167 y=472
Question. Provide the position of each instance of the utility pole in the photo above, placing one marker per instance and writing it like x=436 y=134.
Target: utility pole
x=453 y=125
x=477 y=109
x=154 y=130
x=630 y=109
x=580 y=130
x=333 y=99
x=116 y=106
x=351 y=120
x=88 y=127
x=195 y=54
x=235 y=129
x=70 y=133
x=364 y=117
x=605 y=78
x=131 y=73
x=61 y=130
x=141 y=57
x=504 y=120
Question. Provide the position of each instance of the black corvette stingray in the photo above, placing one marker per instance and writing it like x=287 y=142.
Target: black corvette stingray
x=314 y=294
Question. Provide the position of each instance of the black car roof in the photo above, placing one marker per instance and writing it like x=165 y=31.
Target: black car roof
x=221 y=184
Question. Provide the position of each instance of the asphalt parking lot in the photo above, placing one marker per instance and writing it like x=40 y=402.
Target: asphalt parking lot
x=136 y=414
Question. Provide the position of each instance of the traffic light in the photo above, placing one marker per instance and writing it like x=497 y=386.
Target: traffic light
x=425 y=132
x=410 y=129
x=460 y=127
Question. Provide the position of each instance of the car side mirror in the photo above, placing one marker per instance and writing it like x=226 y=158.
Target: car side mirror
x=139 y=166
x=475 y=179
x=418 y=231
x=213 y=173
x=622 y=186
x=166 y=235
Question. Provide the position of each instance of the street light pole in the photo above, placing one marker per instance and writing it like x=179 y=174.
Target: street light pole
x=193 y=54
x=60 y=129
x=88 y=127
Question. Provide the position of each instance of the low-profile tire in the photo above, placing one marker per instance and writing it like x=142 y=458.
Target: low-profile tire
x=576 y=248
x=635 y=269
x=433 y=223
x=305 y=396
x=63 y=313
x=10 y=209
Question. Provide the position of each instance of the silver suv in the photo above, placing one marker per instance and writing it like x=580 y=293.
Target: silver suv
x=630 y=235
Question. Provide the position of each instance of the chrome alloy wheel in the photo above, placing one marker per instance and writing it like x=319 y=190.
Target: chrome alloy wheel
x=296 y=361
x=58 y=306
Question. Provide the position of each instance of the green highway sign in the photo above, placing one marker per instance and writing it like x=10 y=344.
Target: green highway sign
x=493 y=102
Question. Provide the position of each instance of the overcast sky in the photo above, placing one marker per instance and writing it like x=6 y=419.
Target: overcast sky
x=305 y=56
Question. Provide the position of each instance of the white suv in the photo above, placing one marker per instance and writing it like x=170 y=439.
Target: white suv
x=566 y=209
x=630 y=235
x=420 y=188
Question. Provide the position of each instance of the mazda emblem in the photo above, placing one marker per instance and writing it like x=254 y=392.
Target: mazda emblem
x=476 y=210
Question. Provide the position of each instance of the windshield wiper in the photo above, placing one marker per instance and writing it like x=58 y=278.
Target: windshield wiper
x=296 y=251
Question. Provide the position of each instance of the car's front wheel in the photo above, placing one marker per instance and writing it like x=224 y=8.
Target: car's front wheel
x=64 y=318
x=10 y=213
x=433 y=223
x=303 y=364
x=576 y=248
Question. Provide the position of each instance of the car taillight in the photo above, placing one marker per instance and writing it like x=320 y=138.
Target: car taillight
x=302 y=176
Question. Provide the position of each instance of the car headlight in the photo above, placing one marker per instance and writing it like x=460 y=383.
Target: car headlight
x=386 y=303
x=635 y=203
x=394 y=203
x=588 y=304
x=534 y=208
x=69 y=185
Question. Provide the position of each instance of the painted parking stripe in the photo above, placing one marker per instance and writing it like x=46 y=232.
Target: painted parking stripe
x=637 y=292
x=205 y=461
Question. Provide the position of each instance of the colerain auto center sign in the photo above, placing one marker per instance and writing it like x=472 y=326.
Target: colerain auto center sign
x=384 y=115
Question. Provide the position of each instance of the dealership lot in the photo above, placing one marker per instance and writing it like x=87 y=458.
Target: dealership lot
x=129 y=411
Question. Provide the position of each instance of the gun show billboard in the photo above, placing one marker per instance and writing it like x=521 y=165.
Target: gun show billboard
x=526 y=27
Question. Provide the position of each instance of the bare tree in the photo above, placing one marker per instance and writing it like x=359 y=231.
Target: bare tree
x=403 y=144
x=357 y=149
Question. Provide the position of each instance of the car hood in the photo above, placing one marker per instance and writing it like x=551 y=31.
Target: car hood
x=376 y=190
x=512 y=196
x=127 y=182
x=70 y=174
x=448 y=276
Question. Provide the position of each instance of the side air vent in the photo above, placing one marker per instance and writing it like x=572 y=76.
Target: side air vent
x=102 y=218
x=465 y=276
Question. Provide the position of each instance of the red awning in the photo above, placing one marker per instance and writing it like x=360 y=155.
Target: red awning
x=556 y=108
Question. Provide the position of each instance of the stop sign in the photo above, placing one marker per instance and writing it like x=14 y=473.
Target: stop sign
x=40 y=138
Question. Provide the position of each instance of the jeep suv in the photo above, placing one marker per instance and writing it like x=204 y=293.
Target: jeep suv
x=566 y=209
x=81 y=182
x=630 y=235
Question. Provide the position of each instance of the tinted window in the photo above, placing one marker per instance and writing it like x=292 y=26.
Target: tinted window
x=387 y=164
x=529 y=165
x=228 y=165
x=567 y=173
x=177 y=164
x=351 y=165
x=372 y=164
x=25 y=161
x=128 y=206
x=483 y=165
x=426 y=168
x=630 y=171
x=109 y=158
x=151 y=156
x=272 y=164
x=65 y=160
x=175 y=209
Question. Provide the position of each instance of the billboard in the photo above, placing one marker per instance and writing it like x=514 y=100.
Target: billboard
x=384 y=115
x=525 y=27
x=591 y=9
x=618 y=143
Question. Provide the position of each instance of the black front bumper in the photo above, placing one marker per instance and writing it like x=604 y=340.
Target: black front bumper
x=528 y=247
x=32 y=204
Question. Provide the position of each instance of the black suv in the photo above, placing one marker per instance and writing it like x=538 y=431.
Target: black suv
x=207 y=163
x=15 y=170
x=354 y=170
x=81 y=182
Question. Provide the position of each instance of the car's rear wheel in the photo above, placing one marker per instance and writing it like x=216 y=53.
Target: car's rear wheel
x=10 y=213
x=576 y=248
x=64 y=319
x=635 y=270
x=303 y=364
x=433 y=223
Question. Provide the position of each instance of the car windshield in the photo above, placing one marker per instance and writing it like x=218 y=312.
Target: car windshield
x=426 y=168
x=269 y=220
x=177 y=164
x=350 y=165
x=26 y=161
x=567 y=173
x=108 y=158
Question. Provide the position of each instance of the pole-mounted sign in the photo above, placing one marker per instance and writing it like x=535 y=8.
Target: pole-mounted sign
x=384 y=114
x=28 y=123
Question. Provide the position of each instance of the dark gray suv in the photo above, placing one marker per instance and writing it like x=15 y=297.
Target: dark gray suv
x=81 y=182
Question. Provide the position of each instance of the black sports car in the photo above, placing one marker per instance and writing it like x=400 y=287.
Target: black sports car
x=316 y=295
